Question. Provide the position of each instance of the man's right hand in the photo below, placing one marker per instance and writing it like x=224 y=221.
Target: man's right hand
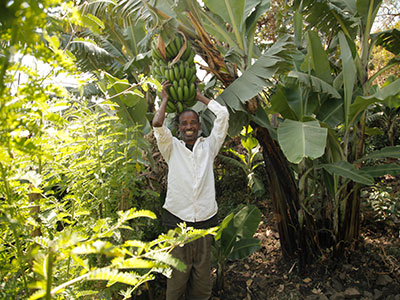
x=163 y=93
x=159 y=116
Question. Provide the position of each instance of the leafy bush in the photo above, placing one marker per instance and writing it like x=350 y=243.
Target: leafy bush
x=383 y=204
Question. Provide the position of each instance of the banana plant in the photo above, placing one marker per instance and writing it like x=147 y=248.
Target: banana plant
x=324 y=110
x=248 y=162
x=325 y=99
x=234 y=239
x=323 y=105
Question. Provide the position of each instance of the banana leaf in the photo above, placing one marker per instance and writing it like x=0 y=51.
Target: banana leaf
x=347 y=170
x=237 y=237
x=257 y=77
x=301 y=139
x=382 y=170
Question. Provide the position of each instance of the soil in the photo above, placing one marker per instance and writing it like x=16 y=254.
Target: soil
x=372 y=271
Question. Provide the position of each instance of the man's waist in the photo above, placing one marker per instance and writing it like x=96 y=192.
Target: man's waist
x=171 y=221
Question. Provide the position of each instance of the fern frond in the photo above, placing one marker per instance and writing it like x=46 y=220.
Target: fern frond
x=135 y=263
x=133 y=214
x=112 y=275
x=86 y=293
x=42 y=241
x=167 y=259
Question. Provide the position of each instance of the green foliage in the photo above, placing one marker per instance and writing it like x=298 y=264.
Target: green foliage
x=62 y=264
x=247 y=162
x=70 y=174
x=383 y=203
x=302 y=139
x=234 y=238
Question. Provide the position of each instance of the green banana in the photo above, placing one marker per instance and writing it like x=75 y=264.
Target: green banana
x=166 y=75
x=175 y=85
x=171 y=75
x=192 y=91
x=172 y=46
x=169 y=53
x=181 y=83
x=178 y=42
x=156 y=54
x=186 y=93
x=191 y=103
x=192 y=79
x=176 y=72
x=179 y=106
x=180 y=73
x=182 y=70
x=170 y=107
x=172 y=93
x=180 y=93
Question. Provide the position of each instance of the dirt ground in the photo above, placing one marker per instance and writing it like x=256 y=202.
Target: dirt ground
x=370 y=272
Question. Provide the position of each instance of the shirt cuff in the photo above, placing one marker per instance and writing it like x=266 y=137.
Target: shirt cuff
x=160 y=132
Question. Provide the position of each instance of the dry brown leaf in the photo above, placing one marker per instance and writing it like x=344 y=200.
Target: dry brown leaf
x=307 y=280
x=161 y=47
x=249 y=282
x=183 y=48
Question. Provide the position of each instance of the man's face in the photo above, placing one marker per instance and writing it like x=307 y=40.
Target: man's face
x=189 y=127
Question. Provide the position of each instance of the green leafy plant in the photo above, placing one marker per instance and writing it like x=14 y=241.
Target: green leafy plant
x=247 y=161
x=131 y=262
x=234 y=239
x=382 y=201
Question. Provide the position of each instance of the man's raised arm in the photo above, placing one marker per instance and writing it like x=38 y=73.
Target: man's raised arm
x=159 y=116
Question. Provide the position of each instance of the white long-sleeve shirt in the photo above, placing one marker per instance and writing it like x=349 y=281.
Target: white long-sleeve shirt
x=191 y=190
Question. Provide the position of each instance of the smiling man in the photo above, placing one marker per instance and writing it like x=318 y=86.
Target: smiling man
x=191 y=192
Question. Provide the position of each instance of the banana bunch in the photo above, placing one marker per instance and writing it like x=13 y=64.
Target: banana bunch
x=175 y=63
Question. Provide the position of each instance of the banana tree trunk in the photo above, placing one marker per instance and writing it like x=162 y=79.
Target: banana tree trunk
x=349 y=226
x=295 y=236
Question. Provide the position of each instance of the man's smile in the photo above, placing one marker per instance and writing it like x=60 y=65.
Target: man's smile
x=189 y=132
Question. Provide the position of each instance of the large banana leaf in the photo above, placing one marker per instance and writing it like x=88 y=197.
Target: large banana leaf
x=235 y=12
x=244 y=247
x=349 y=75
x=367 y=10
x=258 y=77
x=347 y=170
x=279 y=104
x=392 y=152
x=330 y=16
x=315 y=84
x=382 y=170
x=90 y=56
x=132 y=106
x=319 y=58
x=237 y=237
x=301 y=139
x=331 y=112
x=390 y=40
x=361 y=103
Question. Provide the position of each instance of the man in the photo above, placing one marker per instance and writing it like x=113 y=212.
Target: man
x=191 y=192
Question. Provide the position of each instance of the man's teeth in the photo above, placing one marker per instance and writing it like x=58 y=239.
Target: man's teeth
x=189 y=132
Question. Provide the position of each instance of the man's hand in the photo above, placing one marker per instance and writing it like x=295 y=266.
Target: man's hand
x=163 y=93
x=159 y=116
x=200 y=97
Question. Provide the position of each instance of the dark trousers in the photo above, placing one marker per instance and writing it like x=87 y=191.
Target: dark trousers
x=195 y=282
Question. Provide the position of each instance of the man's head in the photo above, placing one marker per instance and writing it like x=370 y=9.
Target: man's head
x=189 y=126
